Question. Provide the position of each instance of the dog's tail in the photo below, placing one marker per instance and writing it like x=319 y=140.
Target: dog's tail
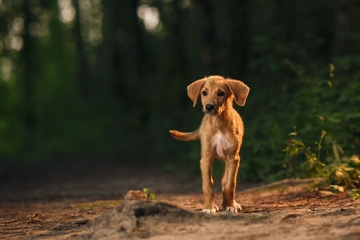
x=185 y=136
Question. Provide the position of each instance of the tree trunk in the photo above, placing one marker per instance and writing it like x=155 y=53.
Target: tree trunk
x=122 y=51
x=180 y=51
x=83 y=69
x=29 y=68
x=239 y=38
x=347 y=28
x=205 y=12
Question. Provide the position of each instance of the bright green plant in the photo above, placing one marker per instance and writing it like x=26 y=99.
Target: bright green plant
x=334 y=101
x=354 y=194
x=341 y=172
x=312 y=166
x=150 y=195
x=345 y=172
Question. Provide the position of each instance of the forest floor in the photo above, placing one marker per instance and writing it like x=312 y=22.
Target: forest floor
x=78 y=201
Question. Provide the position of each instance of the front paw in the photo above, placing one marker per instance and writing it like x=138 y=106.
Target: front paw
x=233 y=209
x=211 y=211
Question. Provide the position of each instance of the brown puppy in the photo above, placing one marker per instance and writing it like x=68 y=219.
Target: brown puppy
x=221 y=132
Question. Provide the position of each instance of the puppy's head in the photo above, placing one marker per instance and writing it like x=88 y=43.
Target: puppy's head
x=216 y=92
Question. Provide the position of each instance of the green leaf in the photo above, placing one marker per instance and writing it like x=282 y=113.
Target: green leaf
x=150 y=195
x=146 y=191
x=354 y=194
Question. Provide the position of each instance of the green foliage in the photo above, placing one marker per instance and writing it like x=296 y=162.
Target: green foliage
x=150 y=195
x=323 y=103
x=340 y=171
x=101 y=84
x=354 y=194
x=324 y=98
x=312 y=166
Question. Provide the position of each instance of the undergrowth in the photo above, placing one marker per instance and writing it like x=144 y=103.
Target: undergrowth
x=341 y=172
x=331 y=105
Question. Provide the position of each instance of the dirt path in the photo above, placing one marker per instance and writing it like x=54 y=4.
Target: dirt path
x=73 y=202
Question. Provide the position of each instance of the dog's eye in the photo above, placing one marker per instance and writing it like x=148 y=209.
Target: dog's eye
x=221 y=93
x=204 y=93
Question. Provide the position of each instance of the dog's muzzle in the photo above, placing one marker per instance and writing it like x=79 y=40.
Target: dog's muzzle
x=209 y=109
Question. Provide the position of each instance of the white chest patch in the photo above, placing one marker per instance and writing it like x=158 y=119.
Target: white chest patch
x=220 y=144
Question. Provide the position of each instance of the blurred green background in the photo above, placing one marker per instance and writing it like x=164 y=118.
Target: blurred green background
x=106 y=80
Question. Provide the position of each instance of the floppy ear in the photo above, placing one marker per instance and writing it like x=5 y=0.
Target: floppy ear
x=193 y=90
x=239 y=89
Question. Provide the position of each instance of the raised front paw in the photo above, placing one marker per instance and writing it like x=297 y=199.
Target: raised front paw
x=211 y=211
x=233 y=209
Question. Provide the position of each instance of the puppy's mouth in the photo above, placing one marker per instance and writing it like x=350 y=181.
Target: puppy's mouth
x=210 y=113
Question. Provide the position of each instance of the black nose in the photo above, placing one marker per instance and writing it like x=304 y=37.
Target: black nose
x=209 y=107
